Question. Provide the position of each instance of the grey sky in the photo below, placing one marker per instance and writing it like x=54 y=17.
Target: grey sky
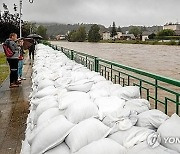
x=123 y=12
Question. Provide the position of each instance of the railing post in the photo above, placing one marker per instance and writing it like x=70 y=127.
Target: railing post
x=72 y=55
x=62 y=49
x=56 y=47
x=96 y=62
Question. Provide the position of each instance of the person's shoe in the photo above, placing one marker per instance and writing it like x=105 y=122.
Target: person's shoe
x=13 y=85
x=18 y=82
x=22 y=78
x=19 y=79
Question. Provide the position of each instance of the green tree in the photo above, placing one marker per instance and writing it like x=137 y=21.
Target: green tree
x=113 y=31
x=77 y=35
x=135 y=30
x=41 y=30
x=166 y=32
x=94 y=35
x=9 y=23
x=119 y=29
x=152 y=36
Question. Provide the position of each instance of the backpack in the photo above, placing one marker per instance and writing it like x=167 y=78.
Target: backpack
x=7 y=50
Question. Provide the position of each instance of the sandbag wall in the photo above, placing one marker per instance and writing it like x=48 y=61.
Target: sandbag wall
x=75 y=110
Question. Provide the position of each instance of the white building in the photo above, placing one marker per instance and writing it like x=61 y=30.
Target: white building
x=172 y=26
x=106 y=35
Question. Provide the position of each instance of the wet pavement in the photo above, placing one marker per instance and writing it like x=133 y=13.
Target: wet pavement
x=13 y=113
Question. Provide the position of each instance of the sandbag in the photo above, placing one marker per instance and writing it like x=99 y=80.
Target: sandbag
x=50 y=90
x=82 y=85
x=108 y=105
x=98 y=78
x=43 y=107
x=132 y=136
x=86 y=132
x=77 y=113
x=144 y=148
x=60 y=149
x=25 y=147
x=52 y=135
x=151 y=119
x=72 y=97
x=138 y=105
x=63 y=82
x=102 y=85
x=99 y=93
x=102 y=146
x=48 y=115
x=169 y=132
x=127 y=93
x=45 y=83
x=76 y=76
x=36 y=102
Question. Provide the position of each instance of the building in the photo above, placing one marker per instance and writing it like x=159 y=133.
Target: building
x=106 y=35
x=128 y=37
x=145 y=35
x=60 y=37
x=175 y=27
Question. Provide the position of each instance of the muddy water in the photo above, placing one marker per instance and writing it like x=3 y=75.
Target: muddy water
x=159 y=59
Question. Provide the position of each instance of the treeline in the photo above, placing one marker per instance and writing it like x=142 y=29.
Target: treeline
x=9 y=23
x=80 y=34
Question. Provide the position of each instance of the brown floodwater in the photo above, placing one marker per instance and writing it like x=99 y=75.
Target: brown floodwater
x=159 y=59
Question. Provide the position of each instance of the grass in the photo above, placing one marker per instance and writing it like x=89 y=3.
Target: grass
x=4 y=68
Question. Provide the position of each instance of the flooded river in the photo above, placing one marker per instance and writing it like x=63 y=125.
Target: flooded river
x=159 y=59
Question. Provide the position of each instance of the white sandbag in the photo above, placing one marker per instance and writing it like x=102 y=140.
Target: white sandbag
x=76 y=113
x=131 y=137
x=114 y=88
x=60 y=149
x=170 y=134
x=48 y=115
x=52 y=135
x=50 y=90
x=25 y=149
x=63 y=82
x=76 y=76
x=43 y=107
x=127 y=93
x=99 y=93
x=102 y=146
x=91 y=74
x=144 y=148
x=138 y=105
x=121 y=119
x=151 y=119
x=45 y=83
x=102 y=85
x=108 y=105
x=82 y=85
x=36 y=102
x=72 y=97
x=86 y=132
x=98 y=78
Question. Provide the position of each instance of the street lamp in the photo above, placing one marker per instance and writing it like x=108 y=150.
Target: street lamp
x=20 y=16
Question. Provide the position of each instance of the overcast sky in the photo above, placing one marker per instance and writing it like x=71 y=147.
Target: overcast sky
x=123 y=12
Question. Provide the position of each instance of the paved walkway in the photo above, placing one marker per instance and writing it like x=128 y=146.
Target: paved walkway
x=13 y=113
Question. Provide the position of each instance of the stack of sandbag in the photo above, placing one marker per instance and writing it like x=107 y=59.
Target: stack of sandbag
x=75 y=110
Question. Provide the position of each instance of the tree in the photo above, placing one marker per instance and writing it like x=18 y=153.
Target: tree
x=41 y=30
x=77 y=35
x=119 y=29
x=9 y=23
x=152 y=36
x=94 y=35
x=113 y=31
x=135 y=30
x=166 y=32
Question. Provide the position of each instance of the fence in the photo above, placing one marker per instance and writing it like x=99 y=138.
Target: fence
x=162 y=92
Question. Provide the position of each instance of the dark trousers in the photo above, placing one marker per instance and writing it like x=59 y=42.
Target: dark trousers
x=31 y=53
x=13 y=64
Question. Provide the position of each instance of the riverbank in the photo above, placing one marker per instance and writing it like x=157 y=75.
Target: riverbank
x=4 y=69
x=150 y=42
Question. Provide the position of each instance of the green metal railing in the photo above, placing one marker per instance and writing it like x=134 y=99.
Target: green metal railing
x=162 y=92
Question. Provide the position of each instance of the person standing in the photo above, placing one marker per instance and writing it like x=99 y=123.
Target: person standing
x=31 y=50
x=21 y=60
x=13 y=61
